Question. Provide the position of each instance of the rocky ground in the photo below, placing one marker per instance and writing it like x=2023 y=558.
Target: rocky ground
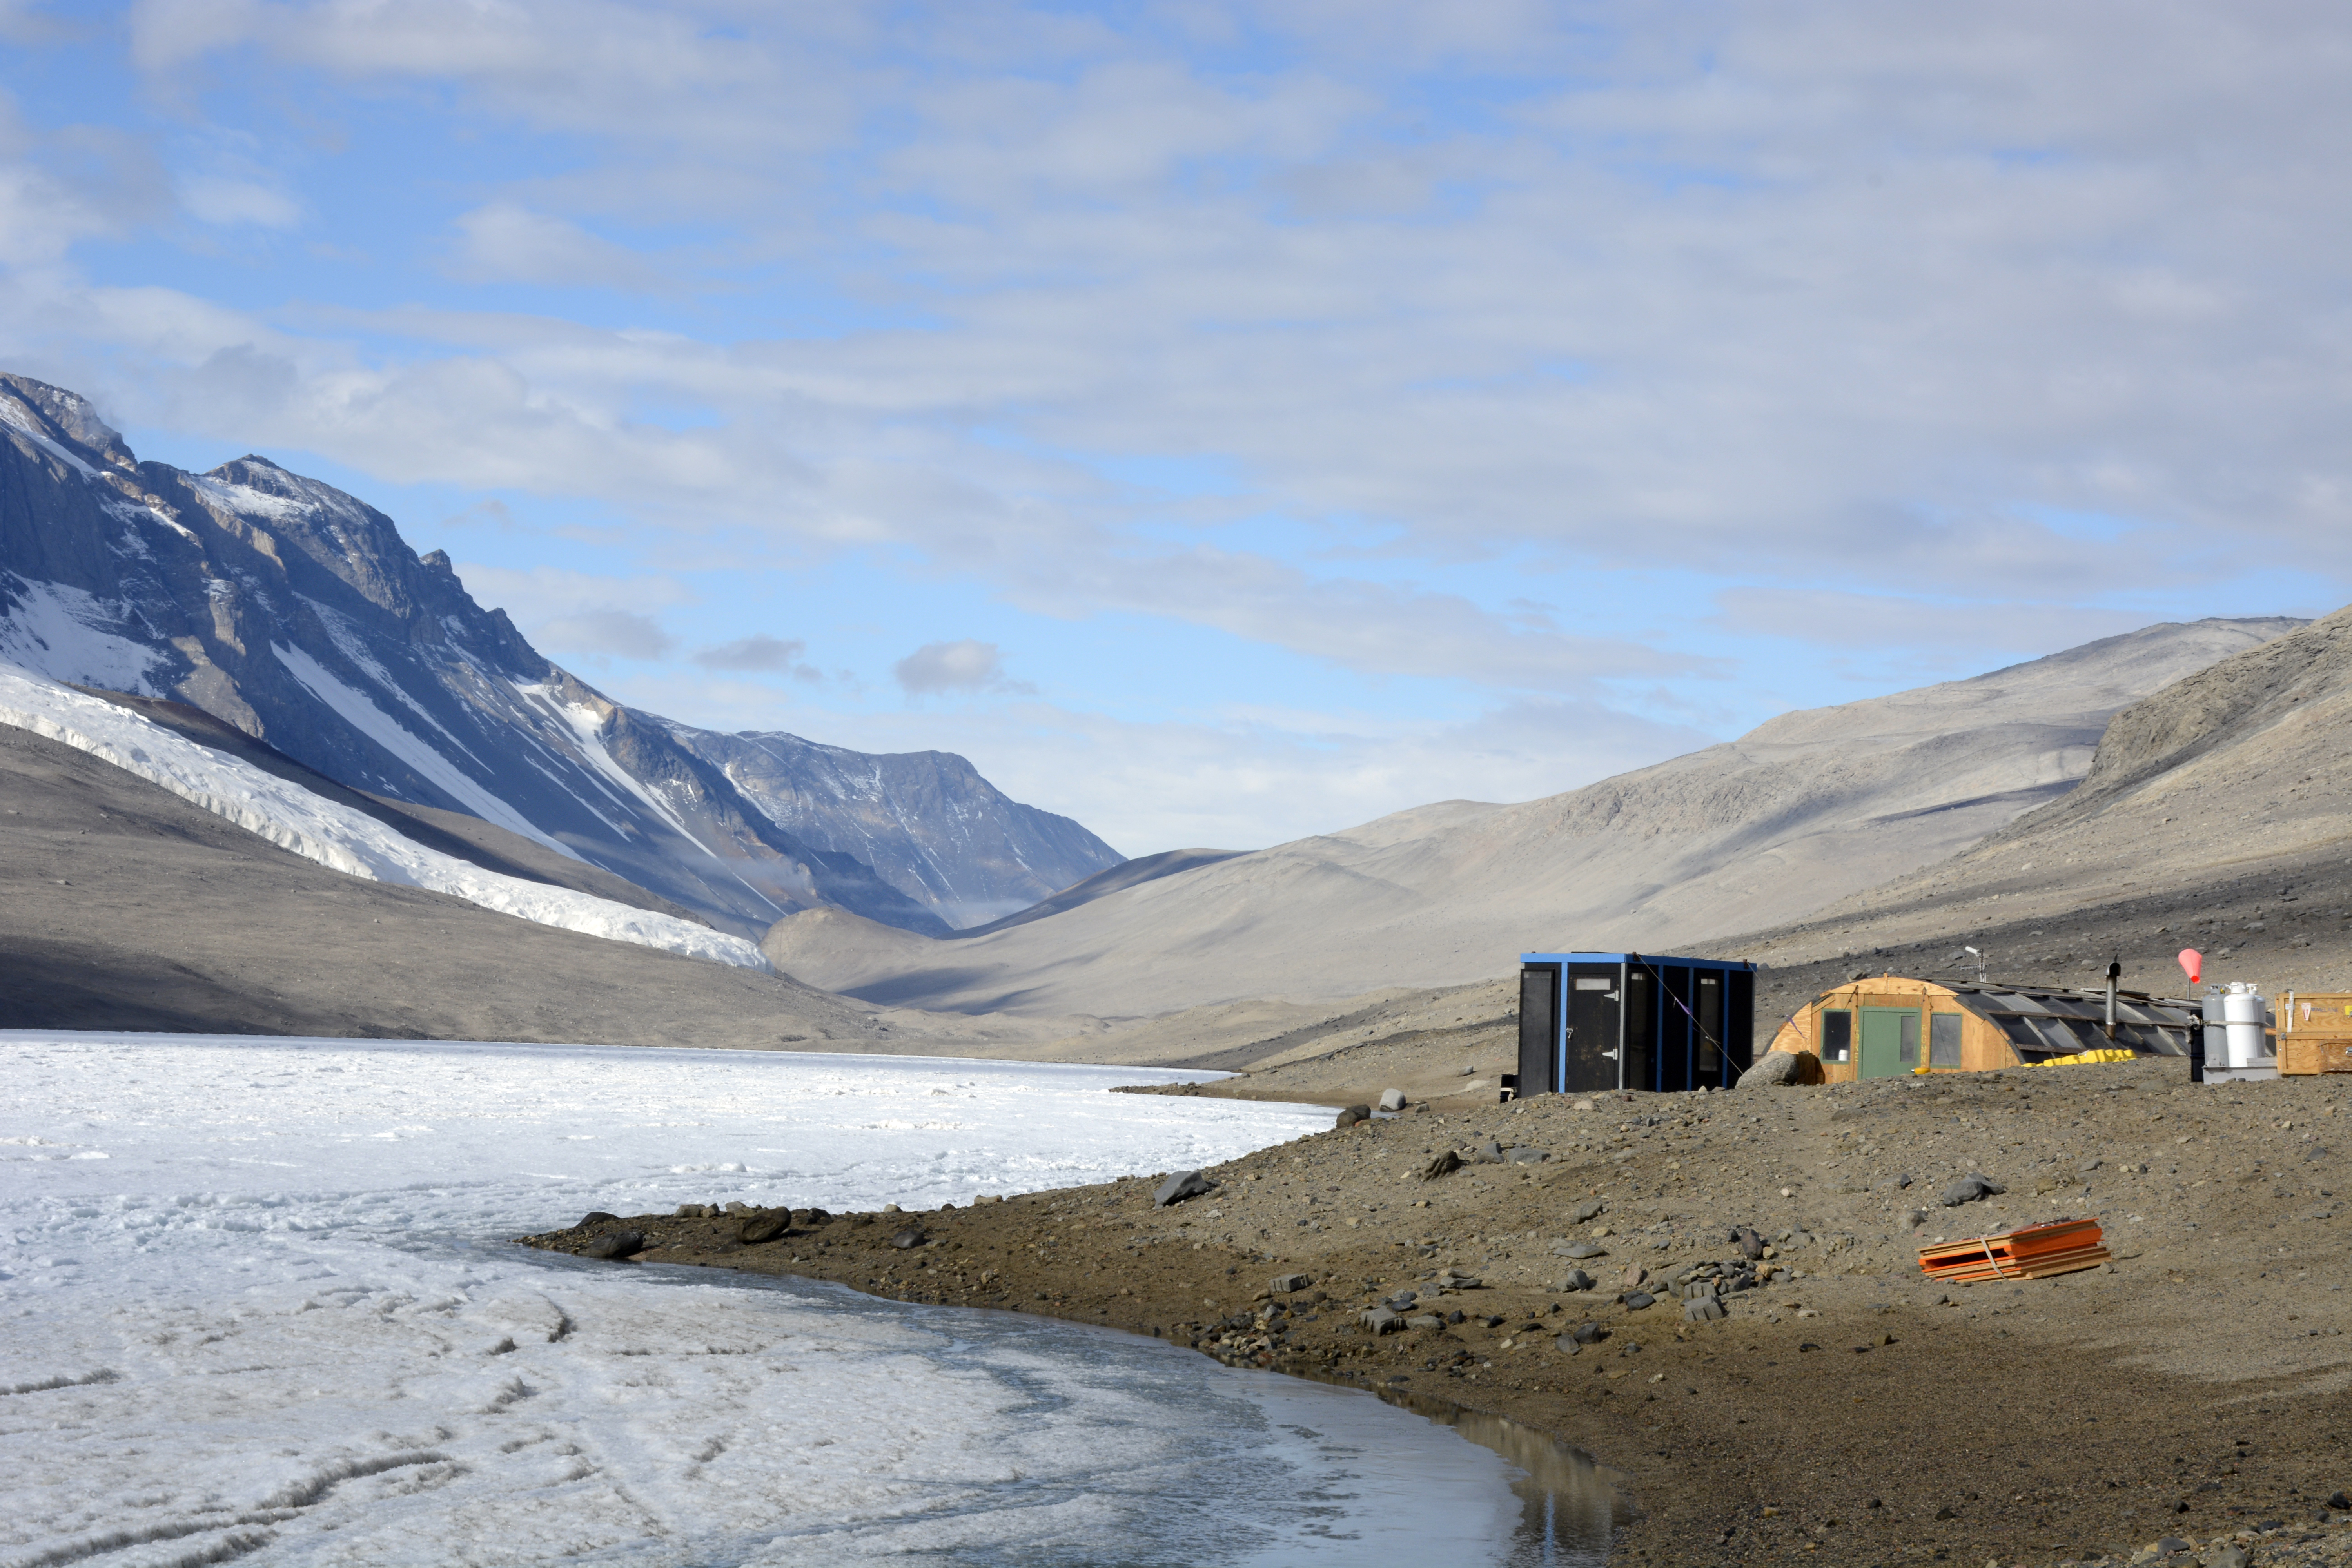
x=2197 y=1389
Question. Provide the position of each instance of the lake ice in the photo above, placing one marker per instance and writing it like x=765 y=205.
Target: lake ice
x=256 y=1306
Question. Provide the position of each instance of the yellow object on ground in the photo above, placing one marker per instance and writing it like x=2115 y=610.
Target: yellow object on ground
x=2082 y=1057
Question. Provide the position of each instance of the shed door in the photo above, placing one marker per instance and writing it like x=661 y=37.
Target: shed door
x=1538 y=1026
x=1890 y=1041
x=1595 y=1007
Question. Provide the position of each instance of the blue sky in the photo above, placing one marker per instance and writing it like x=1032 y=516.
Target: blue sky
x=1229 y=422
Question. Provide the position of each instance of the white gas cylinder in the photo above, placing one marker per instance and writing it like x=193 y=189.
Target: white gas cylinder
x=2243 y=1010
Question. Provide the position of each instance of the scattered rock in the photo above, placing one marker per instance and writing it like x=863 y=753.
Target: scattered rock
x=1488 y=1153
x=910 y=1236
x=1176 y=1189
x=1586 y=1333
x=1967 y=1189
x=813 y=1218
x=1455 y=1280
x=1392 y=1100
x=1782 y=1070
x=2225 y=1555
x=1379 y=1320
x=1352 y=1115
x=597 y=1216
x=1424 y=1320
x=1577 y=1279
x=1524 y=1156
x=1582 y=1250
x=1444 y=1163
x=1703 y=1310
x=1284 y=1284
x=615 y=1243
x=1591 y=1209
x=759 y=1227
x=2340 y=1503
x=1752 y=1245
x=1635 y=1275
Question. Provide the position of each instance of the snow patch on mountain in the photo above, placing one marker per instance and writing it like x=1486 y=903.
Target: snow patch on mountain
x=61 y=631
x=381 y=727
x=331 y=834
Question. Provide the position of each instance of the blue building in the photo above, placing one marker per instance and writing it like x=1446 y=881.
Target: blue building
x=1591 y=1021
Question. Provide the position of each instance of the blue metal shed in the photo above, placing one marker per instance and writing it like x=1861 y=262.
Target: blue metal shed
x=1591 y=1021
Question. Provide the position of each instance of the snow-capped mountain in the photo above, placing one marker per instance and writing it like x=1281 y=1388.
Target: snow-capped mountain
x=296 y=613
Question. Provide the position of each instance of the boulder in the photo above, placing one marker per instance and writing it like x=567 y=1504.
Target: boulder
x=1782 y=1070
x=910 y=1236
x=1176 y=1189
x=1967 y=1189
x=615 y=1243
x=759 y=1227
x=1352 y=1115
x=596 y=1217
x=1392 y=1100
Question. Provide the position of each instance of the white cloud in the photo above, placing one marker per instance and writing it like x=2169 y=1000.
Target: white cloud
x=760 y=654
x=229 y=203
x=505 y=243
x=964 y=666
x=622 y=633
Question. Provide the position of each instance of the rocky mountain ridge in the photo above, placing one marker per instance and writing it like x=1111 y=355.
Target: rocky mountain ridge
x=297 y=614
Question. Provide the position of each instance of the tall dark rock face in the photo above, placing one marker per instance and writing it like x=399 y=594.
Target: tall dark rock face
x=297 y=614
x=926 y=821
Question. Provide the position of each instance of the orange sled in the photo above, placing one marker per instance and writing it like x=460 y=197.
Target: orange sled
x=2029 y=1252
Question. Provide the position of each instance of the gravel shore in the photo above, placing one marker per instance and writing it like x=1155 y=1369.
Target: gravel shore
x=1845 y=1408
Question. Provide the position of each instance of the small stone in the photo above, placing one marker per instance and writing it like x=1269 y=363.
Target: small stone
x=1946 y=1512
x=1967 y=1189
x=910 y=1236
x=2225 y=1555
x=1752 y=1245
x=1583 y=1250
x=1392 y=1100
x=615 y=1243
x=890 y=1208
x=2340 y=1502
x=1587 y=1333
x=1284 y=1284
x=761 y=1227
x=596 y=1217
x=1379 y=1320
x=1591 y=1209
x=1638 y=1301
x=1176 y=1189
x=1524 y=1156
x=1354 y=1114
x=2171 y=1543
x=1424 y=1320
x=1444 y=1163
x=1577 y=1279
x=1488 y=1153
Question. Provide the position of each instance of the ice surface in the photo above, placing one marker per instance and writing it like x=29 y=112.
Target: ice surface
x=329 y=832
x=252 y=1303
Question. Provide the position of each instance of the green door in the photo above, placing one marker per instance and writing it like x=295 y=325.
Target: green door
x=1890 y=1041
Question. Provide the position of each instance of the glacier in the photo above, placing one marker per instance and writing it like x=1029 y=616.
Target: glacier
x=329 y=832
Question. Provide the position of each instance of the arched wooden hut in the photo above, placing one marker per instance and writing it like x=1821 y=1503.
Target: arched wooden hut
x=1891 y=1025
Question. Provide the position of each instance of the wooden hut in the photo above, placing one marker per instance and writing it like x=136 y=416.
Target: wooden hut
x=1893 y=1026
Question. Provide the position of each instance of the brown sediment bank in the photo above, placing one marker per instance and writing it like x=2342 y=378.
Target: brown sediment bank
x=2198 y=1388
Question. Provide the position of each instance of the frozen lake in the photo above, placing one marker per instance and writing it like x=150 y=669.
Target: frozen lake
x=257 y=1307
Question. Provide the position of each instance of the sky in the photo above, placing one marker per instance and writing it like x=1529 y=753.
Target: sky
x=1230 y=423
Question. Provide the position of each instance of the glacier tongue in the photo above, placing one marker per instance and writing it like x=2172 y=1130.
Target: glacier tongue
x=330 y=833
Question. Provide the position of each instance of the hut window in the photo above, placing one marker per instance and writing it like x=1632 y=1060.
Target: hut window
x=1943 y=1040
x=1906 y=1048
x=1837 y=1037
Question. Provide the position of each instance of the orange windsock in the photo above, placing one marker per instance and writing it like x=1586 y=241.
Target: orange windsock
x=2193 y=961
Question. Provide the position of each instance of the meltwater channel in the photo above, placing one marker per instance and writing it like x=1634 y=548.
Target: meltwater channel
x=259 y=1308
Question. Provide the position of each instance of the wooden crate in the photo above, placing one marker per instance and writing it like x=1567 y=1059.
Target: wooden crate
x=2309 y=1053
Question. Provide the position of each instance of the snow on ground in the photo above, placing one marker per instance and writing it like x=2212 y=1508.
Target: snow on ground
x=255 y=1304
x=326 y=831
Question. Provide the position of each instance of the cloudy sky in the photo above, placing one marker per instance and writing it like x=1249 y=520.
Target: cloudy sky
x=1224 y=423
